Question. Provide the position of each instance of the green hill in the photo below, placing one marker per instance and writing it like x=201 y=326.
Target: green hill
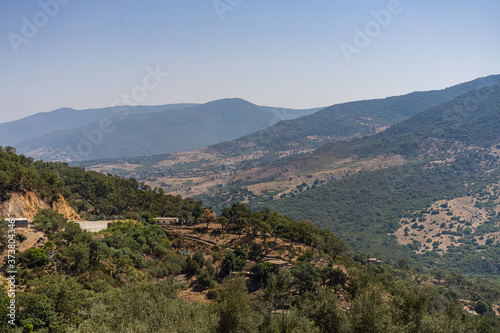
x=347 y=120
x=471 y=119
x=451 y=152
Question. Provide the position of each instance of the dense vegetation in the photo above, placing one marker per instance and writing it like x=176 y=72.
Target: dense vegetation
x=364 y=208
x=121 y=280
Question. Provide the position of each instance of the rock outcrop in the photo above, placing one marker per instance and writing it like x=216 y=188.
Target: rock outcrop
x=28 y=204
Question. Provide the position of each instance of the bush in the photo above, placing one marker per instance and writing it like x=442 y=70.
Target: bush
x=261 y=271
x=192 y=266
x=482 y=307
x=21 y=238
x=49 y=245
x=199 y=258
x=35 y=258
x=240 y=252
x=232 y=263
x=205 y=279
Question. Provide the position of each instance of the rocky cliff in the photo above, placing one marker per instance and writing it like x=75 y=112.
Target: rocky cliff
x=28 y=204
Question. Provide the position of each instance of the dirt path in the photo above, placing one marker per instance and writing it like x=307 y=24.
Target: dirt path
x=32 y=238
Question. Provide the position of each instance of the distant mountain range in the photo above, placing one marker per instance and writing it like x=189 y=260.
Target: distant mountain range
x=15 y=132
x=276 y=160
x=345 y=121
x=67 y=134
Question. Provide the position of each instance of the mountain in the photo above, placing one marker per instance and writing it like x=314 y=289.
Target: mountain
x=15 y=132
x=440 y=206
x=153 y=130
x=279 y=160
x=346 y=121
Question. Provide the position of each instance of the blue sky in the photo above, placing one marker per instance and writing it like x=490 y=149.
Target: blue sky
x=276 y=53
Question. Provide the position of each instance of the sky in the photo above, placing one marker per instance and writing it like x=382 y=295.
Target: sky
x=298 y=54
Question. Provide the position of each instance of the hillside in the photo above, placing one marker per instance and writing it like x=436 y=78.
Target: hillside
x=254 y=271
x=412 y=210
x=269 y=164
x=347 y=120
x=162 y=131
x=208 y=279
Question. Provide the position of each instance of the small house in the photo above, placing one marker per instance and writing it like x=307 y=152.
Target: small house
x=166 y=220
x=20 y=222
x=374 y=261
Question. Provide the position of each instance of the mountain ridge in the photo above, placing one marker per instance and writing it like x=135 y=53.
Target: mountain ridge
x=155 y=130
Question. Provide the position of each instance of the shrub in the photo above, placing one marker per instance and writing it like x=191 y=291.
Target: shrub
x=35 y=258
x=205 y=279
x=199 y=258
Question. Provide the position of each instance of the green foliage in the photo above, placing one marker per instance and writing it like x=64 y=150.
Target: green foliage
x=482 y=307
x=49 y=220
x=147 y=308
x=261 y=272
x=232 y=263
x=205 y=279
x=370 y=312
x=325 y=312
x=234 y=310
x=35 y=257
x=4 y=303
x=199 y=258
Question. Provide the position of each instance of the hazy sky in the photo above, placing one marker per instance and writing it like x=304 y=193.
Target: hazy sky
x=300 y=54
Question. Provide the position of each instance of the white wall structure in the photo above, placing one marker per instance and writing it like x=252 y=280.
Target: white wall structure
x=93 y=226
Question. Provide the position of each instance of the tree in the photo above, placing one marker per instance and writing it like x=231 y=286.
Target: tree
x=409 y=309
x=208 y=216
x=78 y=254
x=197 y=210
x=223 y=221
x=326 y=312
x=306 y=276
x=261 y=271
x=97 y=251
x=439 y=274
x=35 y=257
x=370 y=313
x=205 y=279
x=49 y=245
x=482 y=307
x=71 y=232
x=239 y=214
x=39 y=311
x=235 y=313
x=232 y=263
x=148 y=307
x=333 y=277
x=49 y=219
x=199 y=258
x=276 y=295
